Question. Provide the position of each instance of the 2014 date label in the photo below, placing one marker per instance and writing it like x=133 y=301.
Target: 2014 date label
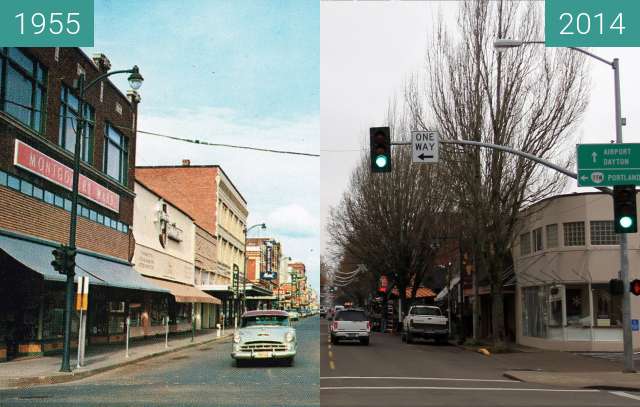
x=592 y=23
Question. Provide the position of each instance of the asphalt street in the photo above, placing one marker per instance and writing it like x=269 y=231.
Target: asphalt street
x=389 y=372
x=200 y=376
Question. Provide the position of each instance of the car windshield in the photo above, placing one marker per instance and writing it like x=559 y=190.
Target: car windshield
x=350 y=316
x=277 y=320
x=425 y=311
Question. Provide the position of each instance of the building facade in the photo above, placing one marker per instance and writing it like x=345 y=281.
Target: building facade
x=565 y=254
x=264 y=256
x=209 y=196
x=38 y=116
x=165 y=255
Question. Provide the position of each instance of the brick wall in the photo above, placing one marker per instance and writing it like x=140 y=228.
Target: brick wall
x=27 y=215
x=193 y=189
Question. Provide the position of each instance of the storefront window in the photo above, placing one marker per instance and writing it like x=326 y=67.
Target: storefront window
x=53 y=316
x=135 y=314
x=607 y=308
x=159 y=310
x=533 y=312
x=577 y=298
x=183 y=313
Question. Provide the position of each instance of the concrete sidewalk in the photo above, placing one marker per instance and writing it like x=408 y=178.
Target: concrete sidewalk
x=592 y=380
x=566 y=369
x=45 y=370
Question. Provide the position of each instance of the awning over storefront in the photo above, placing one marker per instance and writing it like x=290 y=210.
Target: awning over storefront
x=445 y=291
x=101 y=271
x=183 y=292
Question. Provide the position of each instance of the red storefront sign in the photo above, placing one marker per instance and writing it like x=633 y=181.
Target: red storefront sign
x=34 y=161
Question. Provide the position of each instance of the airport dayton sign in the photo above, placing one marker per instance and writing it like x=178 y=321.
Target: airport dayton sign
x=606 y=165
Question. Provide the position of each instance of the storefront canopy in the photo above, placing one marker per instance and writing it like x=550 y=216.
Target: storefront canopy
x=183 y=292
x=37 y=256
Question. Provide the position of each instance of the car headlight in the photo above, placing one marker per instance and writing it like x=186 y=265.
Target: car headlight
x=236 y=337
x=289 y=337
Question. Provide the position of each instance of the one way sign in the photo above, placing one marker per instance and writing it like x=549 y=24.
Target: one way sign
x=424 y=145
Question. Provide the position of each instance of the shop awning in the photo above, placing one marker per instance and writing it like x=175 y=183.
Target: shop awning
x=183 y=292
x=445 y=291
x=101 y=271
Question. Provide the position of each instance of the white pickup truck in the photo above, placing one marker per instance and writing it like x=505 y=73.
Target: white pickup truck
x=350 y=324
x=427 y=322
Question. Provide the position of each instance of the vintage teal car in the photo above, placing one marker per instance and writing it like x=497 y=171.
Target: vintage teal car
x=264 y=335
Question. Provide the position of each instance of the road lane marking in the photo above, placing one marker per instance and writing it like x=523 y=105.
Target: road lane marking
x=444 y=379
x=623 y=394
x=456 y=388
x=330 y=355
x=332 y=365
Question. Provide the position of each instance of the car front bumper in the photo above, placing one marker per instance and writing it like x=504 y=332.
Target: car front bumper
x=264 y=355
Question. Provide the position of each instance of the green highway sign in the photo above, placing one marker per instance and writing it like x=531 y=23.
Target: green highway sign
x=605 y=165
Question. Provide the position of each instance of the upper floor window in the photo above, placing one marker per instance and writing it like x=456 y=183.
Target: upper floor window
x=602 y=232
x=525 y=244
x=573 y=233
x=69 y=123
x=537 y=240
x=552 y=235
x=116 y=154
x=23 y=83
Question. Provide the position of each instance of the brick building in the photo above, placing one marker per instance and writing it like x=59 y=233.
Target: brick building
x=217 y=207
x=38 y=107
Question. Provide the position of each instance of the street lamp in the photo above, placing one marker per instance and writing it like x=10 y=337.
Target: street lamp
x=244 y=272
x=502 y=44
x=135 y=81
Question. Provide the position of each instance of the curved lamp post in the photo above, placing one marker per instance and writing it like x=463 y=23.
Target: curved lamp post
x=503 y=44
x=244 y=271
x=135 y=81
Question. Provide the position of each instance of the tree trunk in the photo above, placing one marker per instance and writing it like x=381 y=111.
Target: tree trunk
x=497 y=315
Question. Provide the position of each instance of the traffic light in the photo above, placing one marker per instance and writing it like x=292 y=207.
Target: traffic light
x=624 y=209
x=70 y=260
x=634 y=287
x=58 y=260
x=380 y=143
x=616 y=287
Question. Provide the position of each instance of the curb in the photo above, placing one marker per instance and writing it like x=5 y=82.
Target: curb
x=603 y=387
x=75 y=375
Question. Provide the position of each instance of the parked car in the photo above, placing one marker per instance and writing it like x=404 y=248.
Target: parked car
x=427 y=322
x=350 y=324
x=293 y=315
x=265 y=334
x=323 y=312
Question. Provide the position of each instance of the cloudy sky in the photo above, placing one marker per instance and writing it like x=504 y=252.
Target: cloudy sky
x=241 y=72
x=368 y=50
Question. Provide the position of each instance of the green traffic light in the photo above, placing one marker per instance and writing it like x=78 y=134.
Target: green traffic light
x=381 y=161
x=626 y=222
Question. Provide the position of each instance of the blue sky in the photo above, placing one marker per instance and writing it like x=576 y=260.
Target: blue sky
x=239 y=72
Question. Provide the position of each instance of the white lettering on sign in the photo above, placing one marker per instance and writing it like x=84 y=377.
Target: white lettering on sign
x=425 y=146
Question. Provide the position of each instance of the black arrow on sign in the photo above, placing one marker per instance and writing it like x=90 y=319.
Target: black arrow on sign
x=422 y=156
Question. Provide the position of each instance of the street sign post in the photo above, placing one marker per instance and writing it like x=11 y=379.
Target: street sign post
x=608 y=164
x=424 y=146
x=82 y=303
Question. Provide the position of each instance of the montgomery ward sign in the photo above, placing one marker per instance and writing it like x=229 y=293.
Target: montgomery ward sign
x=34 y=161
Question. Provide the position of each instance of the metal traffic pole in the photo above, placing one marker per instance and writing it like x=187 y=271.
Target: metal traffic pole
x=627 y=334
x=127 y=323
x=166 y=331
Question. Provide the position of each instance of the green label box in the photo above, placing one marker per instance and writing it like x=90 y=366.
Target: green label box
x=592 y=23
x=46 y=23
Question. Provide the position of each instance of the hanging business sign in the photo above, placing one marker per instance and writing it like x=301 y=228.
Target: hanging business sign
x=268 y=273
x=38 y=163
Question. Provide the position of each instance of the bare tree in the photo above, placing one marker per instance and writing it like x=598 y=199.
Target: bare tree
x=528 y=98
x=389 y=221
